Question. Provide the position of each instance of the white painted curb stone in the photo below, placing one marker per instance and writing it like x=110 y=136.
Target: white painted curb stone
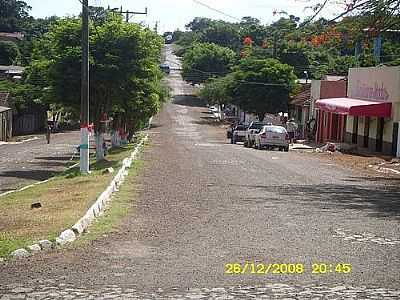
x=70 y=235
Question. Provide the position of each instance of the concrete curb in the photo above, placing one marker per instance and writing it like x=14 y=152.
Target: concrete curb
x=95 y=211
x=35 y=184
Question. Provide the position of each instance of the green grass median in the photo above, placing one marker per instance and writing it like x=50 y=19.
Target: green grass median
x=64 y=200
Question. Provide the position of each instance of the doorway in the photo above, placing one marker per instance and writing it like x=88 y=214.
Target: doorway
x=379 y=135
x=395 y=138
x=355 y=130
x=366 y=132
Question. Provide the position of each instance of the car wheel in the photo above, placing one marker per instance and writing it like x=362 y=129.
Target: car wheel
x=286 y=149
x=245 y=144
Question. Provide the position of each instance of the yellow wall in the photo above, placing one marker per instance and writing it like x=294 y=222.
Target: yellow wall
x=388 y=131
x=361 y=125
x=349 y=124
x=373 y=127
x=396 y=112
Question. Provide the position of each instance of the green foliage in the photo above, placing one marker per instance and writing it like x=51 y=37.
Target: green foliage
x=342 y=64
x=296 y=56
x=12 y=15
x=9 y=53
x=23 y=95
x=125 y=80
x=262 y=86
x=223 y=34
x=217 y=90
x=204 y=61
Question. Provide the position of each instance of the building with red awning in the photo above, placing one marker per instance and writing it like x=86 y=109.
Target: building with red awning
x=370 y=114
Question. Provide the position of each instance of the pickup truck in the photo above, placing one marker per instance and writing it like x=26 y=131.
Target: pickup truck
x=252 y=130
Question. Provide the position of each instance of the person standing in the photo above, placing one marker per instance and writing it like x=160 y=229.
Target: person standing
x=48 y=132
x=291 y=128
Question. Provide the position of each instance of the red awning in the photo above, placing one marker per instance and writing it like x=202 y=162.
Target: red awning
x=355 y=107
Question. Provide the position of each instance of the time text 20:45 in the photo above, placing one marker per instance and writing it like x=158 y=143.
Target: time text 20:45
x=275 y=268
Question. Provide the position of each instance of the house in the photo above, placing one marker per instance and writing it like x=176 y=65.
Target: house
x=11 y=36
x=371 y=110
x=11 y=72
x=30 y=120
x=299 y=109
x=331 y=126
x=5 y=118
x=33 y=118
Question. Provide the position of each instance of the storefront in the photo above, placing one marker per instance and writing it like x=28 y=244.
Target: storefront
x=330 y=125
x=370 y=114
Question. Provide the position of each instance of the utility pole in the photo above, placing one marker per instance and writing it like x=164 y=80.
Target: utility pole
x=84 y=146
x=156 y=27
x=129 y=13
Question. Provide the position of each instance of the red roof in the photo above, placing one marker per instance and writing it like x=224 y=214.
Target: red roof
x=355 y=107
x=303 y=96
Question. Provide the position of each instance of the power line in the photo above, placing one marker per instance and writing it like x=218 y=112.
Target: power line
x=216 y=10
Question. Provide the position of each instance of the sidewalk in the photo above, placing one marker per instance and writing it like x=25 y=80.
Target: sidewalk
x=351 y=157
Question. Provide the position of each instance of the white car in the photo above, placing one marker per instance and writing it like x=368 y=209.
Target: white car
x=253 y=129
x=213 y=109
x=271 y=137
x=239 y=133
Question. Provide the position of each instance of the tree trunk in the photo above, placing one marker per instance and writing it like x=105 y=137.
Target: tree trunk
x=115 y=138
x=99 y=137
x=261 y=117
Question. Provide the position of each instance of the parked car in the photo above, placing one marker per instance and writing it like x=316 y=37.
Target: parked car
x=253 y=129
x=213 y=109
x=239 y=133
x=272 y=137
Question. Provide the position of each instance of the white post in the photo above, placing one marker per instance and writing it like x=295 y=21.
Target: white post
x=84 y=150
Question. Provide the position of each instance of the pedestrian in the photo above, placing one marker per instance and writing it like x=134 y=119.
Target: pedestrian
x=233 y=132
x=105 y=148
x=48 y=132
x=291 y=128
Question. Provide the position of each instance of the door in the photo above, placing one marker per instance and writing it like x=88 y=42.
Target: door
x=379 y=135
x=395 y=138
x=335 y=127
x=355 y=130
x=366 y=132
x=3 y=131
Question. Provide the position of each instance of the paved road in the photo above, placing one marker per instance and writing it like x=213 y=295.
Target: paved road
x=204 y=203
x=35 y=160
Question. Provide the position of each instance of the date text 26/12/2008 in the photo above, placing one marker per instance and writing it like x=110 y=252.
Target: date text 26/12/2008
x=253 y=268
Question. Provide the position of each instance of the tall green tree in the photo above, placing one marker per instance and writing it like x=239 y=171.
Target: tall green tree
x=9 y=53
x=12 y=15
x=125 y=80
x=206 y=60
x=262 y=86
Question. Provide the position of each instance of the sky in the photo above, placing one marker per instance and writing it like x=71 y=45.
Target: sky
x=174 y=14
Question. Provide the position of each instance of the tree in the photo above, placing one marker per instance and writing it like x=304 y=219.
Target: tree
x=9 y=53
x=206 y=60
x=12 y=15
x=125 y=80
x=223 y=34
x=216 y=90
x=380 y=14
x=262 y=86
